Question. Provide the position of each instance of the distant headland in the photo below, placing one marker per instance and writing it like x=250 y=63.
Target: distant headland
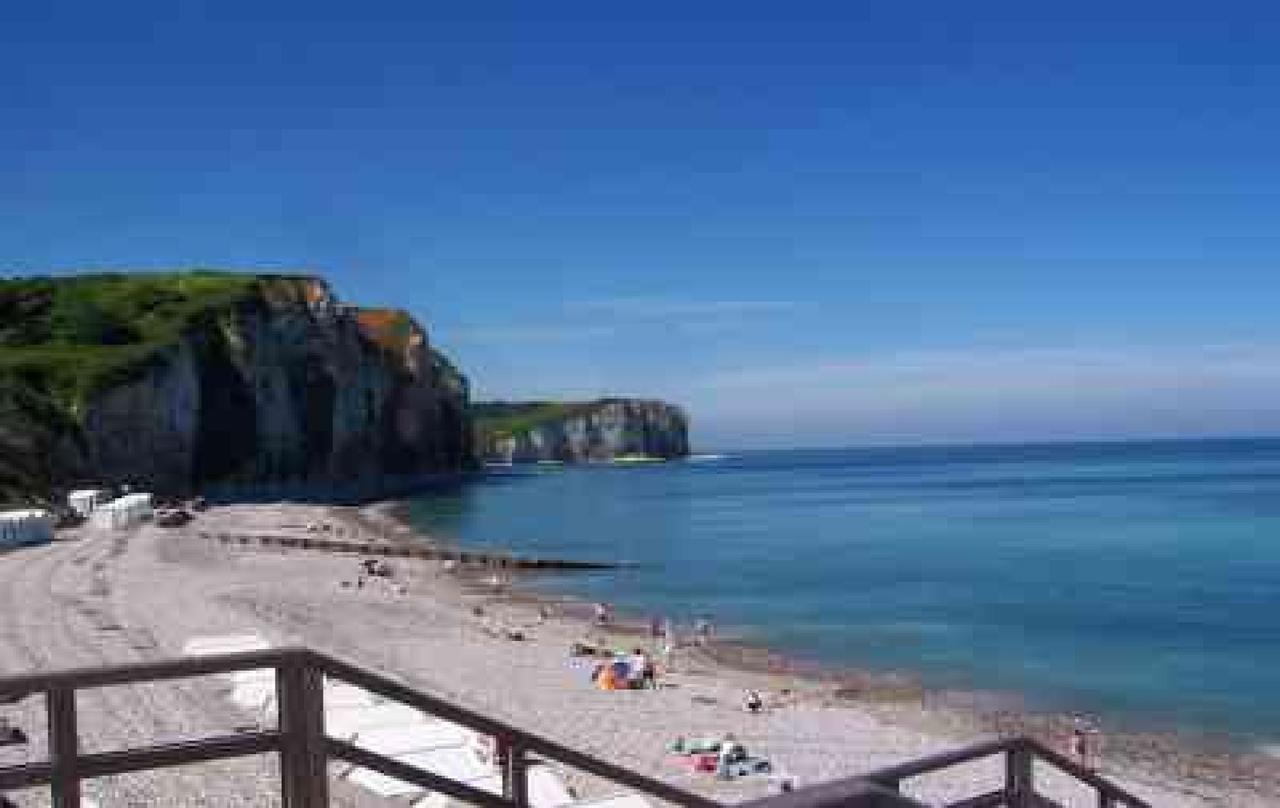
x=617 y=429
x=211 y=380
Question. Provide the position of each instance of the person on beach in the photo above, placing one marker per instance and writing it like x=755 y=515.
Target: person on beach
x=1084 y=743
x=649 y=677
x=655 y=628
x=669 y=651
x=643 y=672
x=602 y=613
x=702 y=630
x=636 y=664
x=752 y=702
x=730 y=752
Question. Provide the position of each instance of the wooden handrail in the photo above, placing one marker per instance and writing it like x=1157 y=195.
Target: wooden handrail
x=1019 y=792
x=135 y=672
x=304 y=749
x=892 y=775
x=410 y=774
x=839 y=794
x=1069 y=766
x=488 y=726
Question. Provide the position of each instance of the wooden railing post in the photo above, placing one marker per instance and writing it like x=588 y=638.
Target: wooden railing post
x=1019 y=783
x=304 y=781
x=64 y=746
x=891 y=785
x=513 y=759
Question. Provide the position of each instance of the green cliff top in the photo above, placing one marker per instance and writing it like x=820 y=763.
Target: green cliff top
x=69 y=337
x=506 y=418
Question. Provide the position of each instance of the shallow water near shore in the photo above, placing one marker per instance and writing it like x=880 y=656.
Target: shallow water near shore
x=1139 y=581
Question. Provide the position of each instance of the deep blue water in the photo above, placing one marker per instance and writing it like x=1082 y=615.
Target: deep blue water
x=1136 y=580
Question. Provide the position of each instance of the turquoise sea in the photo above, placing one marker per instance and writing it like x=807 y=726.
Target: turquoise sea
x=1140 y=581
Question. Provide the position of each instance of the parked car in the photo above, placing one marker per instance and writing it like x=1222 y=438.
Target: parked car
x=172 y=517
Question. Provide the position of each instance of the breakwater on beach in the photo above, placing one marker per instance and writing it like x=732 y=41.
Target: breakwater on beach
x=1133 y=580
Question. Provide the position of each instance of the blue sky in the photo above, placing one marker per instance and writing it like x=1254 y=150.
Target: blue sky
x=808 y=223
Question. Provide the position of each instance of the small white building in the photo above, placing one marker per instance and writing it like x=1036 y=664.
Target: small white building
x=86 y=500
x=122 y=513
x=20 y=528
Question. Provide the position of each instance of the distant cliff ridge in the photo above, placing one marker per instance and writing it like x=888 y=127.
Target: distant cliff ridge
x=188 y=380
x=579 y=431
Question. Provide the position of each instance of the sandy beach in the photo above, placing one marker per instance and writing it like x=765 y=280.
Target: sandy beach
x=95 y=597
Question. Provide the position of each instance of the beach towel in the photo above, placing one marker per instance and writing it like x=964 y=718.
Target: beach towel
x=745 y=767
x=692 y=746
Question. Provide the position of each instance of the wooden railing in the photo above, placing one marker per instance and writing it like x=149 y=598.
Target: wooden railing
x=304 y=749
x=1018 y=791
x=299 y=740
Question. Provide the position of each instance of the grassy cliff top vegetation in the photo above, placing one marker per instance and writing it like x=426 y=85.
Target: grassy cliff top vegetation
x=68 y=337
x=505 y=418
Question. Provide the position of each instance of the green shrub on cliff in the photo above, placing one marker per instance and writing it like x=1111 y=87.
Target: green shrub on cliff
x=65 y=338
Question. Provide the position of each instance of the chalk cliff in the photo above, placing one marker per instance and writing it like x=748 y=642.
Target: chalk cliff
x=571 y=432
x=194 y=381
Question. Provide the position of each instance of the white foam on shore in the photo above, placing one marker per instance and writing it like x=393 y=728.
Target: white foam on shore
x=705 y=458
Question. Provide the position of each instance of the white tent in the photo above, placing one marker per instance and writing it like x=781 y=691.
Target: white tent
x=18 y=528
x=122 y=513
x=86 y=500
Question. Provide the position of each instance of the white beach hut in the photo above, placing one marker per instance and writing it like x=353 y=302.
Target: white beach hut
x=19 y=528
x=122 y=513
x=86 y=500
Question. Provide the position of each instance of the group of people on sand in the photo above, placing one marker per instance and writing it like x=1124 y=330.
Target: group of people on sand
x=662 y=632
x=726 y=756
x=635 y=671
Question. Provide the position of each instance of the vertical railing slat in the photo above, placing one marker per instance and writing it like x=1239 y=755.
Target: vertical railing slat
x=64 y=746
x=516 y=775
x=304 y=779
x=1019 y=776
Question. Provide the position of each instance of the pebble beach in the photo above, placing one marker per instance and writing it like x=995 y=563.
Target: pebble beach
x=95 y=597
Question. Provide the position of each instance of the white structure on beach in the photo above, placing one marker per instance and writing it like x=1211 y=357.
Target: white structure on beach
x=18 y=528
x=86 y=500
x=122 y=513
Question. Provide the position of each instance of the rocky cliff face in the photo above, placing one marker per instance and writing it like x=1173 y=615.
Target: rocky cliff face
x=280 y=386
x=580 y=431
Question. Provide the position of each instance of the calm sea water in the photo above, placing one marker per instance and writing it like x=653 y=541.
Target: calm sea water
x=1136 y=580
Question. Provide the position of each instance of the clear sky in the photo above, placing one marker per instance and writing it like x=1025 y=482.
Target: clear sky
x=807 y=222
